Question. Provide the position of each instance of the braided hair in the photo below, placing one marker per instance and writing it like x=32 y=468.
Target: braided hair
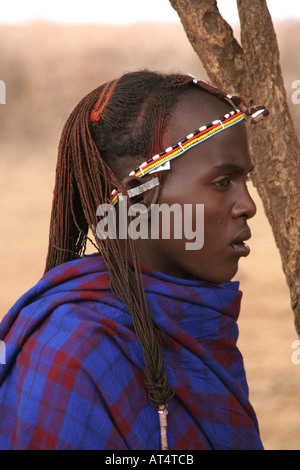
x=119 y=121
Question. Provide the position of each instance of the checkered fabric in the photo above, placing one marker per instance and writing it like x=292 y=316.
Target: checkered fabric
x=73 y=377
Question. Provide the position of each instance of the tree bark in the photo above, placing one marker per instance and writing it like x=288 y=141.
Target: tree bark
x=253 y=71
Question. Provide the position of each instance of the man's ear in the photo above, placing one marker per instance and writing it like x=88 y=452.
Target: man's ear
x=142 y=190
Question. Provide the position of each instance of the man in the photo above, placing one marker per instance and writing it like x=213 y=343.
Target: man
x=103 y=342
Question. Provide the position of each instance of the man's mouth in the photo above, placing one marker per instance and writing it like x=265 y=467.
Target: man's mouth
x=239 y=244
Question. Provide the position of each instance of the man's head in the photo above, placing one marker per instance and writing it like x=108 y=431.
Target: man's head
x=213 y=173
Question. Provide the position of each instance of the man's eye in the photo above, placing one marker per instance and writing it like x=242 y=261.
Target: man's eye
x=223 y=183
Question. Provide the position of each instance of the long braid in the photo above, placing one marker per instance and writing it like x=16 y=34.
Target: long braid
x=83 y=181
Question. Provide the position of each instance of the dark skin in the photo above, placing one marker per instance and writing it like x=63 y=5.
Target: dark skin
x=213 y=173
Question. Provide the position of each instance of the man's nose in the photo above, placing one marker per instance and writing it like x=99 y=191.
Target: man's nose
x=244 y=206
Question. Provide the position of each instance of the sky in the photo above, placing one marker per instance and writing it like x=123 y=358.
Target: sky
x=121 y=11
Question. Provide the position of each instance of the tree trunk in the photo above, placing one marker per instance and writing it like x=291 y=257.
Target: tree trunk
x=253 y=71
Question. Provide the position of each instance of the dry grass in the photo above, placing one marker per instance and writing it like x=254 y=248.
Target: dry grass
x=47 y=69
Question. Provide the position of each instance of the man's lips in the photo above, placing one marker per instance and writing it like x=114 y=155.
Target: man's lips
x=239 y=245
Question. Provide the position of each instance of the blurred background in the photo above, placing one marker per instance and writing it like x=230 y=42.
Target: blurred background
x=54 y=53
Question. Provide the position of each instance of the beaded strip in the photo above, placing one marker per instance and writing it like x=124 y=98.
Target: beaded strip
x=200 y=135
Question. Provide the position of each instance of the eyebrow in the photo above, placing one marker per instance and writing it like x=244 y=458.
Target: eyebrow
x=232 y=167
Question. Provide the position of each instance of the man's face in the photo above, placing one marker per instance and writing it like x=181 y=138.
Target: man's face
x=213 y=173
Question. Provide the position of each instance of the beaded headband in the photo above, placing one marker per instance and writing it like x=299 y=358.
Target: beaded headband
x=162 y=159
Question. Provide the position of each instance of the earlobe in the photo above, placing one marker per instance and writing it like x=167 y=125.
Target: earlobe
x=144 y=191
x=130 y=182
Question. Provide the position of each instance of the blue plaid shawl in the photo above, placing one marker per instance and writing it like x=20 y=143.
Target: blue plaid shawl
x=73 y=377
